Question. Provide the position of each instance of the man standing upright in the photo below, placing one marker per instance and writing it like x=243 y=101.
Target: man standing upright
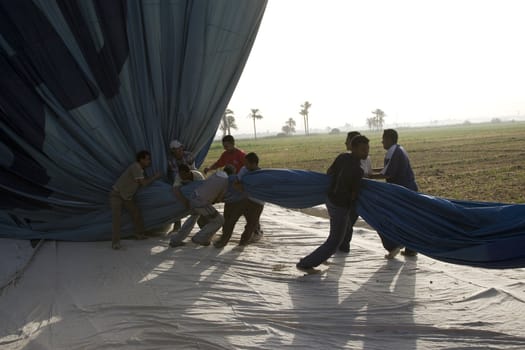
x=396 y=170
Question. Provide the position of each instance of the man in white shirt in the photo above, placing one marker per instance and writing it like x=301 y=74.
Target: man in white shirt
x=201 y=203
x=184 y=176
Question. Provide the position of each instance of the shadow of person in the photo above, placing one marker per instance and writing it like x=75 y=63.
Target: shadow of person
x=89 y=296
x=378 y=314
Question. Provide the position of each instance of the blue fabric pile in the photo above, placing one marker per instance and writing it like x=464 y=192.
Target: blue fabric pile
x=481 y=234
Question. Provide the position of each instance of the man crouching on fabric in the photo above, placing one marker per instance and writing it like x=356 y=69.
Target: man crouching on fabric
x=201 y=202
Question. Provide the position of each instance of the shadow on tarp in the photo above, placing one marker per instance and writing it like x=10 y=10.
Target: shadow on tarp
x=128 y=298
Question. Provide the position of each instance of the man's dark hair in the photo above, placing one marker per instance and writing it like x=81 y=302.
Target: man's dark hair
x=351 y=135
x=229 y=169
x=184 y=168
x=252 y=158
x=228 y=138
x=142 y=154
x=391 y=134
x=359 y=139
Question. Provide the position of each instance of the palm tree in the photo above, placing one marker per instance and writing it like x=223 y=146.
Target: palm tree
x=304 y=112
x=255 y=115
x=379 y=118
x=289 y=126
x=370 y=122
x=227 y=122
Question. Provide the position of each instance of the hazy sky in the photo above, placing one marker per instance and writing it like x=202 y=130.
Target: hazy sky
x=417 y=60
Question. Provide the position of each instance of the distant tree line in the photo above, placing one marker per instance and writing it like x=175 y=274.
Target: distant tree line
x=228 y=121
x=374 y=123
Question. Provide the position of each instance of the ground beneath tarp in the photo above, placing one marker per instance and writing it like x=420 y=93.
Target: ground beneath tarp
x=150 y=296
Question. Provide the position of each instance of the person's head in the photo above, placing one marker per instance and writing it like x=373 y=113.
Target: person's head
x=229 y=169
x=228 y=143
x=177 y=149
x=360 y=146
x=251 y=161
x=349 y=138
x=144 y=158
x=185 y=173
x=389 y=138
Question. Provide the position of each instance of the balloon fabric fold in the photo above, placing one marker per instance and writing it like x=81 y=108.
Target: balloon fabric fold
x=84 y=85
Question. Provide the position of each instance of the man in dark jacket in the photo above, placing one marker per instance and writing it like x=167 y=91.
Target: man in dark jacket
x=346 y=174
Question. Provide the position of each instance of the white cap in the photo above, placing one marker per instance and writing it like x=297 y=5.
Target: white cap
x=176 y=144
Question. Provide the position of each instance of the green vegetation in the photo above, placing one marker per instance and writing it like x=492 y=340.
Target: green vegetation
x=480 y=162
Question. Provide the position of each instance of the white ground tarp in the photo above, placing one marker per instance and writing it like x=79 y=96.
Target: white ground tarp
x=150 y=296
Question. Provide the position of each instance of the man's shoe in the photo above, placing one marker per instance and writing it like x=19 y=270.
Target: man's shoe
x=307 y=269
x=207 y=243
x=393 y=253
x=301 y=267
x=256 y=237
x=246 y=239
x=408 y=253
x=116 y=245
x=219 y=243
x=345 y=248
x=174 y=244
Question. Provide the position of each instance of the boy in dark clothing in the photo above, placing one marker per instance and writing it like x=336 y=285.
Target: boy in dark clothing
x=345 y=244
x=237 y=204
x=341 y=199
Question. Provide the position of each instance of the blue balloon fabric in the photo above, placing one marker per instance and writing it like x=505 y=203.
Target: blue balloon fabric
x=84 y=85
x=483 y=234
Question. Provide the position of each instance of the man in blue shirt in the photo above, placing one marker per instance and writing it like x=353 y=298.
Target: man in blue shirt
x=396 y=170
